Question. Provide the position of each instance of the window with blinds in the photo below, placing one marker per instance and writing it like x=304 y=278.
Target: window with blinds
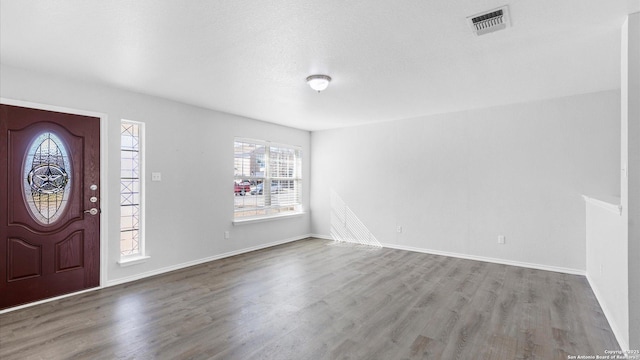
x=267 y=179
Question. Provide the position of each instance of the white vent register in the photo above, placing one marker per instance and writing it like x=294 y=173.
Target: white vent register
x=489 y=21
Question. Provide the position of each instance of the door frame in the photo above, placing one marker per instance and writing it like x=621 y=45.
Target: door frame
x=104 y=198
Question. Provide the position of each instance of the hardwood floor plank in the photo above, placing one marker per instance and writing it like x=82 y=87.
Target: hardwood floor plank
x=317 y=299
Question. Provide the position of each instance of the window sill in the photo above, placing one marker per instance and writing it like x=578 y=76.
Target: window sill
x=267 y=218
x=133 y=261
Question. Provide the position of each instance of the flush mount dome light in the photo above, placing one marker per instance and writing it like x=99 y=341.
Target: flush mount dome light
x=318 y=82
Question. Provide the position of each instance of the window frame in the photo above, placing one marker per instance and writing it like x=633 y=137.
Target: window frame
x=271 y=211
x=140 y=256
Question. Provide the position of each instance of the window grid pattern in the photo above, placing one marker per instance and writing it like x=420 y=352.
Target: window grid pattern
x=130 y=189
x=267 y=179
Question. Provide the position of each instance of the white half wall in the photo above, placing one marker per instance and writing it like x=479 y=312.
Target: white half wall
x=455 y=182
x=607 y=267
x=189 y=210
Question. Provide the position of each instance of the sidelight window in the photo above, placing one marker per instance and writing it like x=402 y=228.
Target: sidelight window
x=131 y=187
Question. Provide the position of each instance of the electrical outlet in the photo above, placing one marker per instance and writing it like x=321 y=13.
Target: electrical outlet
x=398 y=229
x=227 y=235
x=156 y=176
x=501 y=239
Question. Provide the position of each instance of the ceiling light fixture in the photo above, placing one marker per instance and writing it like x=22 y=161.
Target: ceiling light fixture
x=318 y=82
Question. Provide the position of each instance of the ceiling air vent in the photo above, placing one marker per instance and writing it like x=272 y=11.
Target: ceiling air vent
x=489 y=21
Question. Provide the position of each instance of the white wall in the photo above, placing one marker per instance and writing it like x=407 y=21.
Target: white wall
x=630 y=118
x=454 y=182
x=189 y=210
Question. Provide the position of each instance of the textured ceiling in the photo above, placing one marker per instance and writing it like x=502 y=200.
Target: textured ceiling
x=388 y=59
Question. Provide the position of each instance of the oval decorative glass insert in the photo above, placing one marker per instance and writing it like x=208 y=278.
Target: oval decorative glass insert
x=46 y=177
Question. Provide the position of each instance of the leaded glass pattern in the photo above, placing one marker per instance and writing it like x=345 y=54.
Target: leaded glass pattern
x=272 y=173
x=130 y=188
x=47 y=180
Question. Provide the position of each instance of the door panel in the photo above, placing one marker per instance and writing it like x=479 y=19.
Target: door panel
x=70 y=252
x=49 y=244
x=24 y=260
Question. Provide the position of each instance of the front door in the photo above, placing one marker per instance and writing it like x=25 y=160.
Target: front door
x=49 y=204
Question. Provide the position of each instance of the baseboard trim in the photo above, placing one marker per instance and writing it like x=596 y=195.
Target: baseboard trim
x=474 y=257
x=319 y=236
x=489 y=259
x=23 y=306
x=202 y=261
x=622 y=342
x=162 y=271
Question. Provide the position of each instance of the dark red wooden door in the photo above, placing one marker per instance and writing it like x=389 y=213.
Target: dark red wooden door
x=49 y=182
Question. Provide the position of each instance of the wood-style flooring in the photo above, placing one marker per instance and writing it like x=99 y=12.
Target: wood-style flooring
x=317 y=299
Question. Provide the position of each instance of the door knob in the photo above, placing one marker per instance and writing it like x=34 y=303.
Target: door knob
x=92 y=211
